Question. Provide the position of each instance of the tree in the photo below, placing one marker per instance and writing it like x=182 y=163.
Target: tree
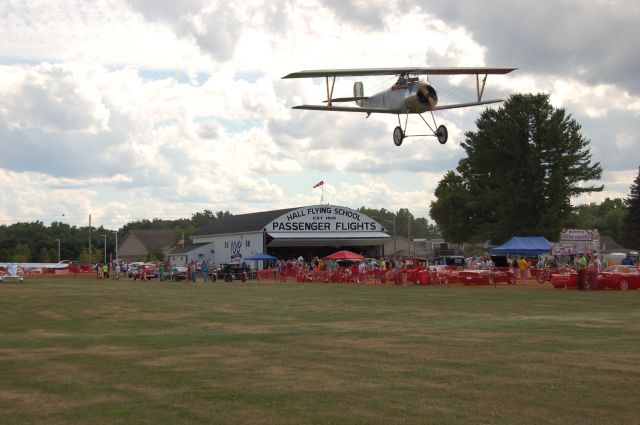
x=607 y=217
x=452 y=210
x=632 y=218
x=524 y=163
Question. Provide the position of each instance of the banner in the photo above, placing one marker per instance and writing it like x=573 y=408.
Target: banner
x=320 y=183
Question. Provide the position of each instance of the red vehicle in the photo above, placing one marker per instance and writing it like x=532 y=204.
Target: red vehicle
x=150 y=271
x=565 y=279
x=487 y=277
x=417 y=270
x=446 y=270
x=619 y=277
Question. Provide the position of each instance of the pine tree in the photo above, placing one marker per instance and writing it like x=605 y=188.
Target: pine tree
x=632 y=218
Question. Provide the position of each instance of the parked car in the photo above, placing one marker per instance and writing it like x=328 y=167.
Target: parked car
x=568 y=278
x=486 y=276
x=619 y=277
x=231 y=272
x=150 y=271
x=417 y=270
x=177 y=273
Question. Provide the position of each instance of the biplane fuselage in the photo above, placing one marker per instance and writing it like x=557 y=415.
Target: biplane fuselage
x=413 y=97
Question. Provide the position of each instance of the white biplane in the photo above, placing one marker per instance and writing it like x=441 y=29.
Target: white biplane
x=409 y=95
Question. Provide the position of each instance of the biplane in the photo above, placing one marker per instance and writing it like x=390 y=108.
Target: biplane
x=408 y=95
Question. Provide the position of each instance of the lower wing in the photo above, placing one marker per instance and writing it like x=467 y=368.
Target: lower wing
x=466 y=105
x=363 y=109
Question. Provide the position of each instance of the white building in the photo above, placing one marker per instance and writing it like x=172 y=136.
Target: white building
x=291 y=233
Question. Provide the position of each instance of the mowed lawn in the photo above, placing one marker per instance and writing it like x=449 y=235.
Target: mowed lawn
x=79 y=351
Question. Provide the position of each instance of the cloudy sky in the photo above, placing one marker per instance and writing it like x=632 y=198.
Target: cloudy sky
x=130 y=109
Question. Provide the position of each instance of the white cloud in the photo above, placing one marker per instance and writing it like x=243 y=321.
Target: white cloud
x=140 y=108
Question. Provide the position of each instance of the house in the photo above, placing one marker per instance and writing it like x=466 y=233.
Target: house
x=181 y=255
x=143 y=245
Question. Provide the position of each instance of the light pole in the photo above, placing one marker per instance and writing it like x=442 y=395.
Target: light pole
x=116 y=233
x=58 y=249
x=105 y=248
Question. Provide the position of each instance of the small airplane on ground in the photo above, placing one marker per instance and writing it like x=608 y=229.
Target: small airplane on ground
x=409 y=95
x=14 y=270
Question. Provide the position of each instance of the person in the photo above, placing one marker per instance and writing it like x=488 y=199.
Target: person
x=205 y=271
x=514 y=269
x=399 y=266
x=628 y=261
x=522 y=269
x=593 y=268
x=581 y=268
x=99 y=272
x=117 y=274
x=161 y=272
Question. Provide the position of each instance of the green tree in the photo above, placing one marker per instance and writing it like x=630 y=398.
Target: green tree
x=607 y=217
x=524 y=163
x=632 y=217
x=452 y=209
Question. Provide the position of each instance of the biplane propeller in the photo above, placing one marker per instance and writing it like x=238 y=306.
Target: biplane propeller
x=409 y=95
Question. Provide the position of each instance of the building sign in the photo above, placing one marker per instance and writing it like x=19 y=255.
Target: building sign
x=576 y=241
x=323 y=218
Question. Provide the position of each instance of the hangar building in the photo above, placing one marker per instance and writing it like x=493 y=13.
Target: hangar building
x=290 y=233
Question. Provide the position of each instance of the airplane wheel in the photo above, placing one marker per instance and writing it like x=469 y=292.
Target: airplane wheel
x=443 y=134
x=398 y=136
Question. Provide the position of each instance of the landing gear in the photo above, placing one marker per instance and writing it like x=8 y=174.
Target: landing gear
x=443 y=134
x=398 y=136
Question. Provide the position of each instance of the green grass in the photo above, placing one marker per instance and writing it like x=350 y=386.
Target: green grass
x=88 y=352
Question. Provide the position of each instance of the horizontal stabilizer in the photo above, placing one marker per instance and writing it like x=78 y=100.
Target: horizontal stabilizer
x=346 y=99
x=348 y=109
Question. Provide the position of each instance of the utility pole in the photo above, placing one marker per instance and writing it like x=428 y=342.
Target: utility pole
x=90 y=262
x=105 y=248
x=116 y=232
x=409 y=232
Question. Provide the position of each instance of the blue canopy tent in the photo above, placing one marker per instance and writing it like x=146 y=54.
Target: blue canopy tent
x=523 y=245
x=260 y=257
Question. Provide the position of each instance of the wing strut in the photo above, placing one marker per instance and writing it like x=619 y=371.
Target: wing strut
x=330 y=93
x=480 y=90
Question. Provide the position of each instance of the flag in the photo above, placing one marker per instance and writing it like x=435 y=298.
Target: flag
x=320 y=183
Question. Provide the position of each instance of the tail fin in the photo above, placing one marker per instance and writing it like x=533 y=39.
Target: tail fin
x=358 y=91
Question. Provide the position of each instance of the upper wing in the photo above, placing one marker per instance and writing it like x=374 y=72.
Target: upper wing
x=348 y=109
x=465 y=105
x=397 y=71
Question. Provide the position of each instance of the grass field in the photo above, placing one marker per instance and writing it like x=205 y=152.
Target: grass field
x=87 y=352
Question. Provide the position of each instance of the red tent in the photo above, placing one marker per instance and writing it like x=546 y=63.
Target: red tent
x=344 y=255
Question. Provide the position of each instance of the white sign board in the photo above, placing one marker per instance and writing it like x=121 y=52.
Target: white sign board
x=323 y=218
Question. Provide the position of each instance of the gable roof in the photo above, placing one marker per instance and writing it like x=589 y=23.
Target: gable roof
x=187 y=248
x=154 y=240
x=253 y=222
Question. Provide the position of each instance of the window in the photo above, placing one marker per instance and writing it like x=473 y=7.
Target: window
x=226 y=244
x=247 y=244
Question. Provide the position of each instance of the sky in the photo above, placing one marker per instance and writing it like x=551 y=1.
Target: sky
x=140 y=109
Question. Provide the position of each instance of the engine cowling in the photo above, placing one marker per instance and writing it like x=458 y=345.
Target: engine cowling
x=427 y=96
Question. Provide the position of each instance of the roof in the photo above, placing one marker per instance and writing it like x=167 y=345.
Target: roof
x=154 y=240
x=187 y=248
x=608 y=244
x=526 y=245
x=253 y=222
